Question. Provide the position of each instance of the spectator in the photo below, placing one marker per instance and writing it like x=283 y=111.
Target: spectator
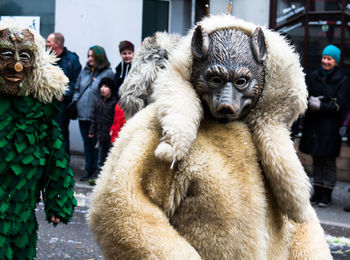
x=102 y=119
x=33 y=162
x=69 y=63
x=328 y=93
x=126 y=50
x=87 y=93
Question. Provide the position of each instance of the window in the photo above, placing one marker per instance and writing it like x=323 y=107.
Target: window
x=155 y=17
x=45 y=9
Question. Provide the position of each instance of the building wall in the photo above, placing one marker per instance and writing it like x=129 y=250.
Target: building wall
x=249 y=10
x=180 y=8
x=85 y=23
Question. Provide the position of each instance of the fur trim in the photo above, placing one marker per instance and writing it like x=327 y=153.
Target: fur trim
x=149 y=59
x=283 y=99
x=47 y=81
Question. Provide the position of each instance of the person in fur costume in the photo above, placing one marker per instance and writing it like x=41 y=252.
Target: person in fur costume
x=237 y=189
x=32 y=156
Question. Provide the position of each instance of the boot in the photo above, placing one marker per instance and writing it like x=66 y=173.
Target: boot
x=347 y=209
x=316 y=195
x=93 y=177
x=326 y=197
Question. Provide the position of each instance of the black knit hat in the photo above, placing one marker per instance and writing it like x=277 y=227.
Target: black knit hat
x=126 y=45
x=108 y=82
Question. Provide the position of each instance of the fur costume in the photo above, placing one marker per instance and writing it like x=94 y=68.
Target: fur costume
x=32 y=157
x=218 y=202
x=284 y=80
x=283 y=99
x=149 y=59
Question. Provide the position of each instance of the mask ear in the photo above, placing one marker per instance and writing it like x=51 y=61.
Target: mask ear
x=200 y=43
x=258 y=45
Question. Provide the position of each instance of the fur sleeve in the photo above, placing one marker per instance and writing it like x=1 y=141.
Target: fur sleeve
x=126 y=223
x=148 y=61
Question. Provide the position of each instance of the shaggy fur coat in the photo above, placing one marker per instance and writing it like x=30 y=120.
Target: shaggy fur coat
x=237 y=191
x=216 y=204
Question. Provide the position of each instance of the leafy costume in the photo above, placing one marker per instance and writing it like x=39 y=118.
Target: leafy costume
x=32 y=156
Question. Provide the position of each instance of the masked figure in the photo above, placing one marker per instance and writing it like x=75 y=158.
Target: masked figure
x=208 y=170
x=33 y=164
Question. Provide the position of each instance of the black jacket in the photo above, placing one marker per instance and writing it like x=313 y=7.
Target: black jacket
x=121 y=72
x=320 y=135
x=103 y=116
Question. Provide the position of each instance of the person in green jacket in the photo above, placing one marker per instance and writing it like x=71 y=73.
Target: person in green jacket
x=33 y=163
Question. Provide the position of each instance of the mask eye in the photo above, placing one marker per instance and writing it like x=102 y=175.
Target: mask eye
x=240 y=82
x=216 y=80
x=7 y=55
x=24 y=56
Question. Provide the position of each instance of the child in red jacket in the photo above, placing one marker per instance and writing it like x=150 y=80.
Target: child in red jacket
x=118 y=122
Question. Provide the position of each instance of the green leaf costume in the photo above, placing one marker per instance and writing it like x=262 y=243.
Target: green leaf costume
x=32 y=160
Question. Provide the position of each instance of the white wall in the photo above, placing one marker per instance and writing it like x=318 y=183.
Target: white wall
x=85 y=23
x=249 y=10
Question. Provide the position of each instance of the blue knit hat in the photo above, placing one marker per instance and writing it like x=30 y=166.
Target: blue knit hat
x=333 y=51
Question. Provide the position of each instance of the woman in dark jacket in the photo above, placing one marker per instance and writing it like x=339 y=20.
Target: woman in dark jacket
x=328 y=95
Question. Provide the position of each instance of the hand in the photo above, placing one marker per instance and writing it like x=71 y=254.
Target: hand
x=315 y=103
x=343 y=130
x=91 y=135
x=61 y=98
x=55 y=220
x=110 y=133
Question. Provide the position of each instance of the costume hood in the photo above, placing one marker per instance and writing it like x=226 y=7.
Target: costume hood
x=284 y=98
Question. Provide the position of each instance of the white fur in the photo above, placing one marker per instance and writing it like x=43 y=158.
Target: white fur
x=283 y=99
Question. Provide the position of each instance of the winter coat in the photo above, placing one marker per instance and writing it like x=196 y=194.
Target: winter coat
x=69 y=63
x=102 y=118
x=320 y=135
x=121 y=72
x=118 y=122
x=89 y=79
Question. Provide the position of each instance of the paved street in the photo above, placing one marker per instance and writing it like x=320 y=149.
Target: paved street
x=72 y=241
x=75 y=241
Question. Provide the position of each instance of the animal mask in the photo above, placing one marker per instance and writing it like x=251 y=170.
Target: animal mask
x=227 y=71
x=16 y=61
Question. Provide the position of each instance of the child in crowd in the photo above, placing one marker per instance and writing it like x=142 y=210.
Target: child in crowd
x=103 y=115
x=126 y=50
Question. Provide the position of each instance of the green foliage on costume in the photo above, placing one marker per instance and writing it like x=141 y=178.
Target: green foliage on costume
x=32 y=160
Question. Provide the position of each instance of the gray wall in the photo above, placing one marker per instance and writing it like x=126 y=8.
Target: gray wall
x=180 y=16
